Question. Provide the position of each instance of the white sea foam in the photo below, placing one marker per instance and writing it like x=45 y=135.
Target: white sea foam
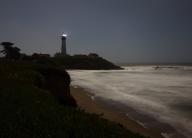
x=164 y=92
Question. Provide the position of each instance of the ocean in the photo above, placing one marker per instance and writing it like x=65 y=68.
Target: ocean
x=162 y=93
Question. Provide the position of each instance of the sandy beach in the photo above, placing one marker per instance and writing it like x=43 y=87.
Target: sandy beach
x=87 y=102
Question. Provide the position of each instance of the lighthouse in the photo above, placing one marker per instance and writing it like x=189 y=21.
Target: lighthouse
x=63 y=44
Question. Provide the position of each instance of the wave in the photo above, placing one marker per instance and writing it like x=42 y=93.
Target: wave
x=164 y=93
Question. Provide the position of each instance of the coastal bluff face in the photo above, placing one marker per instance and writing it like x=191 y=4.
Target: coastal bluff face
x=87 y=62
x=45 y=77
x=58 y=83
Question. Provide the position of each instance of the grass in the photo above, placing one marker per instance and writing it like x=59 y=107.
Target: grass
x=27 y=111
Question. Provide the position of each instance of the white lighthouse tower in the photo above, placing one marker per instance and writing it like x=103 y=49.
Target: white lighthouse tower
x=63 y=44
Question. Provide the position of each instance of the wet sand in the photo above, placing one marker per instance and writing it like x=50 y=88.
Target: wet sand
x=90 y=104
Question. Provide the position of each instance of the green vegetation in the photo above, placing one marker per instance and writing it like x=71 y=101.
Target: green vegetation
x=10 y=51
x=28 y=110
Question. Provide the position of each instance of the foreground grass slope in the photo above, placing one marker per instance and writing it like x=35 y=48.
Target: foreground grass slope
x=27 y=111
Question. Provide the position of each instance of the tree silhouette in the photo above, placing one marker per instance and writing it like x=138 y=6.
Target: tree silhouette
x=10 y=51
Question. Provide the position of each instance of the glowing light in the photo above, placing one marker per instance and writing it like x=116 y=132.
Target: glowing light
x=64 y=35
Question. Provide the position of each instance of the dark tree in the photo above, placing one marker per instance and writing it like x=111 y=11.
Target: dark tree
x=10 y=51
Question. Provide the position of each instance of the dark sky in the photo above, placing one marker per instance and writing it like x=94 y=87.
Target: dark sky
x=119 y=30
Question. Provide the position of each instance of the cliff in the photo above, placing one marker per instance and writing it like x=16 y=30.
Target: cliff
x=58 y=83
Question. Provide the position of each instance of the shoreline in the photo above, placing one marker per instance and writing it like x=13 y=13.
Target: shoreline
x=86 y=101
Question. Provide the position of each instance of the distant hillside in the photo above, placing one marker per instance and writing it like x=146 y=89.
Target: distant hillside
x=91 y=62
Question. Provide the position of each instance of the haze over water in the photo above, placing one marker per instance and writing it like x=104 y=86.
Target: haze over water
x=162 y=93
